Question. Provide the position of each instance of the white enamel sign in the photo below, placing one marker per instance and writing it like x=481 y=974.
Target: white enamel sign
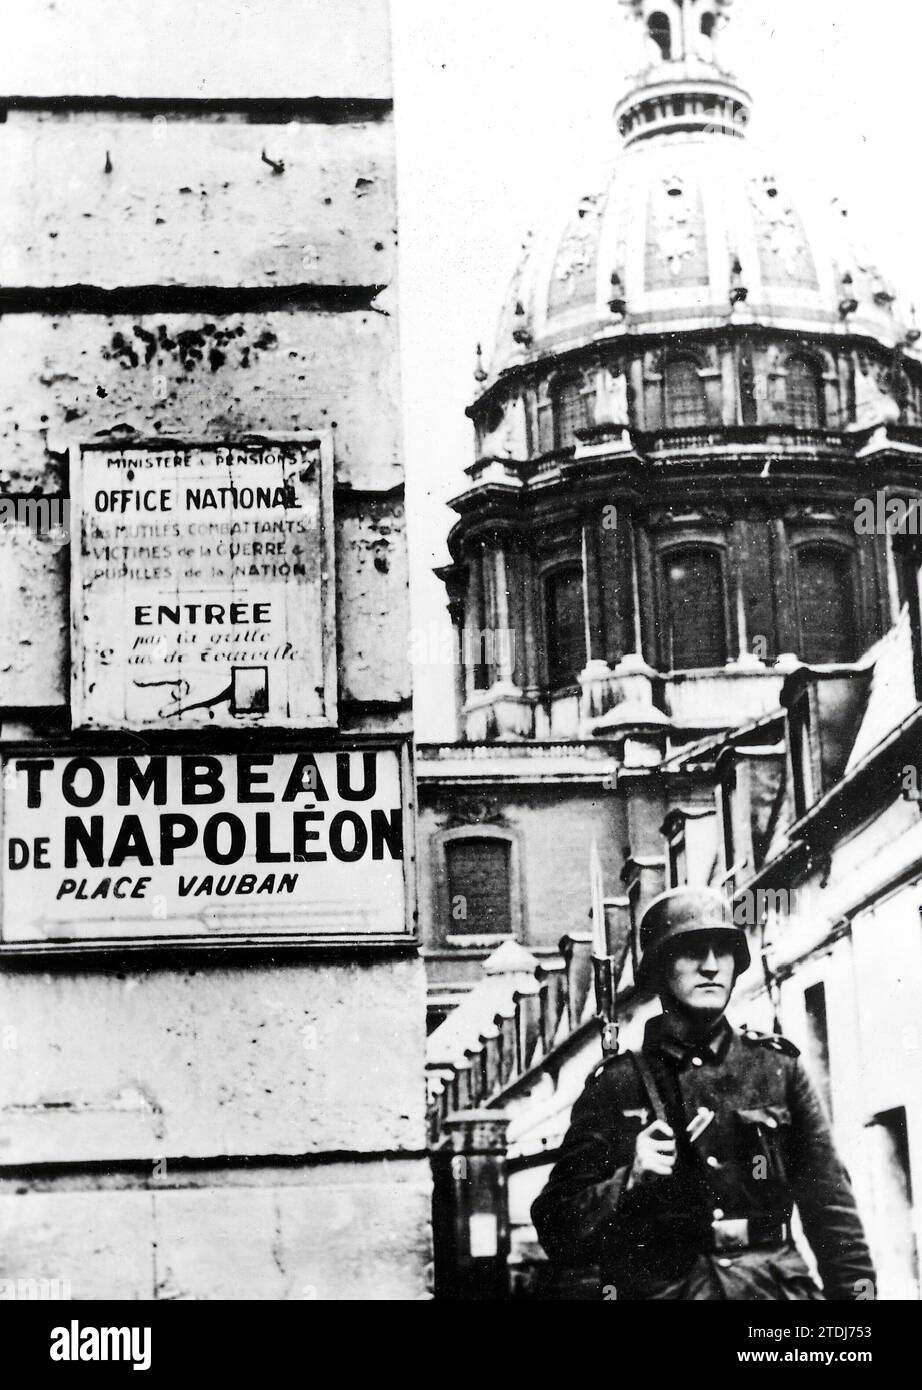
x=203 y=585
x=259 y=846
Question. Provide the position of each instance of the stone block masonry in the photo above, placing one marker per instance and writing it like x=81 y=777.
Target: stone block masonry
x=199 y=247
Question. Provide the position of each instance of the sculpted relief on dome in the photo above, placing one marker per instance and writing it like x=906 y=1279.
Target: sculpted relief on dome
x=573 y=280
x=514 y=317
x=693 y=231
x=688 y=235
x=784 y=251
x=873 y=282
x=676 y=236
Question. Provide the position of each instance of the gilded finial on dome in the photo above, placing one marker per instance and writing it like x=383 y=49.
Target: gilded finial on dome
x=617 y=302
x=480 y=374
x=848 y=304
x=739 y=290
x=522 y=333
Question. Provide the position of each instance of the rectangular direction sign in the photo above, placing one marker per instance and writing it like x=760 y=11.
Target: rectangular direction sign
x=203 y=585
x=267 y=846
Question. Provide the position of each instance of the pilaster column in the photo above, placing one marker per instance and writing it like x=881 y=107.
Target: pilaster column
x=502 y=647
x=515 y=575
x=456 y=614
x=644 y=623
x=595 y=611
x=474 y=619
x=740 y=568
x=788 y=639
x=530 y=600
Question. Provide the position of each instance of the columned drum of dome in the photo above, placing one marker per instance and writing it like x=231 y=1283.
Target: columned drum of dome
x=697 y=374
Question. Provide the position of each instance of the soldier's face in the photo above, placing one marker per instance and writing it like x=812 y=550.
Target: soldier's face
x=699 y=976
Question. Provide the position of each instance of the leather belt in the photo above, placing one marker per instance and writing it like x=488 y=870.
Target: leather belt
x=749 y=1235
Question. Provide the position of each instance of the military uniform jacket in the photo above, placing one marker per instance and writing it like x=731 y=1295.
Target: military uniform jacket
x=767 y=1150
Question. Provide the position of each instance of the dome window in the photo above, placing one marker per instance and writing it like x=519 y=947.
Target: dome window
x=804 y=399
x=660 y=31
x=571 y=412
x=686 y=406
x=696 y=611
x=708 y=25
x=566 y=626
x=825 y=589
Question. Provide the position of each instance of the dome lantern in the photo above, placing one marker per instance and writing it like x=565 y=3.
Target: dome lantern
x=682 y=87
x=678 y=29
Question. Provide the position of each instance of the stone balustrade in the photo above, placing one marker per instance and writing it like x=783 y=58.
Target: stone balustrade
x=509 y=1023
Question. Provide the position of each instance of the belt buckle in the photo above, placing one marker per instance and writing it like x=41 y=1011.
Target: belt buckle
x=730 y=1235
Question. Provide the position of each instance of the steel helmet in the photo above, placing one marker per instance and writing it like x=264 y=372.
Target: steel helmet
x=687 y=912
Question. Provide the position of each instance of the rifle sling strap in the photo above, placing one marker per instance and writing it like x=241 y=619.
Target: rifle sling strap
x=650 y=1085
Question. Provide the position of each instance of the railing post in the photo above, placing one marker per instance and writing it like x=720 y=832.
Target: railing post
x=471 y=1208
x=577 y=954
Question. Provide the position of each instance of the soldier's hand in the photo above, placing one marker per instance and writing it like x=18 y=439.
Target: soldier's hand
x=654 y=1154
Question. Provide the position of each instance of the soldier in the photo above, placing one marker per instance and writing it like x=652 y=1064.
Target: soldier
x=682 y=1163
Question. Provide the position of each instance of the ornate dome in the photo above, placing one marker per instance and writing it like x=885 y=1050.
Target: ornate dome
x=693 y=231
x=697 y=374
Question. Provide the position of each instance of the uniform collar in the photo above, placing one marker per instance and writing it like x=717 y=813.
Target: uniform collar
x=660 y=1037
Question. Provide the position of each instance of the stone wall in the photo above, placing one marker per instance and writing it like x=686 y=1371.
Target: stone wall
x=199 y=244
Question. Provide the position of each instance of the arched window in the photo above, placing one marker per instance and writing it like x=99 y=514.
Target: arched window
x=479 y=886
x=661 y=33
x=804 y=400
x=570 y=412
x=708 y=24
x=696 y=615
x=566 y=630
x=825 y=604
x=686 y=407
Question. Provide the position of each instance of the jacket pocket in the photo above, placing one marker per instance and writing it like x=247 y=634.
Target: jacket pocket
x=765 y=1130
